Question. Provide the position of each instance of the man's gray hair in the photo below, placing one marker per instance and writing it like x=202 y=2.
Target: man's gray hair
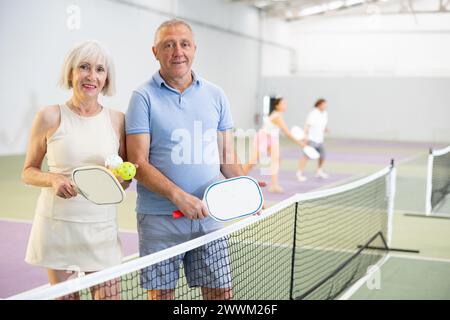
x=170 y=23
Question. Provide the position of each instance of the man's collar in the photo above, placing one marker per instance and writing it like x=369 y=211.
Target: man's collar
x=160 y=81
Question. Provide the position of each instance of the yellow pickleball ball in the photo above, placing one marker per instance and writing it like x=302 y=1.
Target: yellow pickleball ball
x=126 y=170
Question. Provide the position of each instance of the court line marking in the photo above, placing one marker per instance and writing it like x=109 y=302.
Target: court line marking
x=15 y=220
x=358 y=284
x=424 y=258
x=128 y=231
x=350 y=292
x=403 y=211
x=340 y=182
x=409 y=159
x=361 y=175
x=31 y=222
x=44 y=286
x=422 y=214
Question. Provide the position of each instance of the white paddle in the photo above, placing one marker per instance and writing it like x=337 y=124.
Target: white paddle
x=98 y=185
x=299 y=134
x=231 y=199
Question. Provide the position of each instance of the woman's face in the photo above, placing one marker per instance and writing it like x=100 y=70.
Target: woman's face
x=281 y=106
x=89 y=78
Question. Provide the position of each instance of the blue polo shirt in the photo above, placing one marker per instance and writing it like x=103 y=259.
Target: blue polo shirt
x=183 y=129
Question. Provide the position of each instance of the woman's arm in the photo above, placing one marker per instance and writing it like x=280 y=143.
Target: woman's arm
x=279 y=121
x=44 y=125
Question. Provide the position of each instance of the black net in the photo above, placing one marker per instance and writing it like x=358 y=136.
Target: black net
x=251 y=263
x=440 y=179
x=335 y=235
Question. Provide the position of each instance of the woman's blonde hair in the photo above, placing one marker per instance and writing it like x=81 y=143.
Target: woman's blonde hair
x=85 y=51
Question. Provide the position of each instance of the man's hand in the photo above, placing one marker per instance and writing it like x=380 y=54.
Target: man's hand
x=192 y=207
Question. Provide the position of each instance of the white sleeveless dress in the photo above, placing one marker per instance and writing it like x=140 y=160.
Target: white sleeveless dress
x=74 y=234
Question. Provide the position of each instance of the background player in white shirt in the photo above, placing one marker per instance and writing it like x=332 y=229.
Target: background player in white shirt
x=315 y=129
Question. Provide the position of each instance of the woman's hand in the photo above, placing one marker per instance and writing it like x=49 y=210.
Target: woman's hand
x=64 y=187
x=124 y=183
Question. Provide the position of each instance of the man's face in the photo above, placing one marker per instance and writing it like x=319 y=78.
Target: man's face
x=175 y=51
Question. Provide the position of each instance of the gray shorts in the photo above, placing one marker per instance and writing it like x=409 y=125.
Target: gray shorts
x=206 y=266
x=319 y=147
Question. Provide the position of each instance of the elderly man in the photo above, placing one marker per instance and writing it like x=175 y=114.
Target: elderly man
x=179 y=132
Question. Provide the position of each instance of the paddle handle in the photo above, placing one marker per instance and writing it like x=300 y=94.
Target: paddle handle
x=177 y=214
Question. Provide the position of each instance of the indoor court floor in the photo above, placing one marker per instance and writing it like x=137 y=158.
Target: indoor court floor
x=402 y=276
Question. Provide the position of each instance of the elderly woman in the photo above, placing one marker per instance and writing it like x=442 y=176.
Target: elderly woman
x=69 y=233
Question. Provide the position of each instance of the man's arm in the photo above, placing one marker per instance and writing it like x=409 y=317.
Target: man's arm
x=230 y=165
x=138 y=148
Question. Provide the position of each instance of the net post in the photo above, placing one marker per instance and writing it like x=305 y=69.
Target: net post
x=429 y=183
x=291 y=293
x=391 y=197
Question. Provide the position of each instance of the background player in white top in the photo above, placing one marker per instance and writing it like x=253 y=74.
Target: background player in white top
x=315 y=129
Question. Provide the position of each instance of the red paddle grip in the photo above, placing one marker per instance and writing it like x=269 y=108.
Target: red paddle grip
x=177 y=214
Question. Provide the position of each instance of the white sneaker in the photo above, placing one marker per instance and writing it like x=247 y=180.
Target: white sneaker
x=321 y=174
x=301 y=177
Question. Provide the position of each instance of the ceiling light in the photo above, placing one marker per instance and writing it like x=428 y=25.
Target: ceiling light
x=349 y=3
x=313 y=10
x=333 y=5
